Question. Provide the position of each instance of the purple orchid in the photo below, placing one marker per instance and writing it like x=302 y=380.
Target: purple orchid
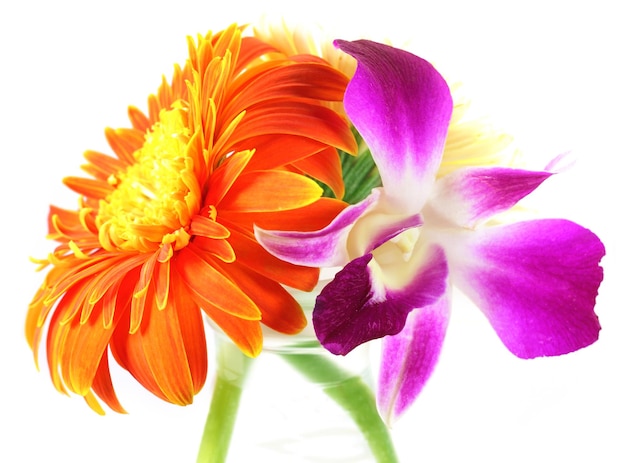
x=405 y=246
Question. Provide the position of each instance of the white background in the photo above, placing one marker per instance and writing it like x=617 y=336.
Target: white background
x=549 y=71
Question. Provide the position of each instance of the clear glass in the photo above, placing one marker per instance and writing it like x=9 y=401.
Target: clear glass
x=299 y=403
x=286 y=417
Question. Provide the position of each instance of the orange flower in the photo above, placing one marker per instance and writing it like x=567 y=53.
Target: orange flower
x=164 y=231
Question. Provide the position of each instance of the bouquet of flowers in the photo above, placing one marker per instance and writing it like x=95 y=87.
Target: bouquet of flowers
x=264 y=160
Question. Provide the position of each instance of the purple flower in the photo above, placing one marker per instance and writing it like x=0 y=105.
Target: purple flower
x=405 y=246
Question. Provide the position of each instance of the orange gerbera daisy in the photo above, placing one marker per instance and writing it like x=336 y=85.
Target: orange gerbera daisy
x=164 y=230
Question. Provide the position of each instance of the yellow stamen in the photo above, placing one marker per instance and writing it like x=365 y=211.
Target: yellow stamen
x=148 y=206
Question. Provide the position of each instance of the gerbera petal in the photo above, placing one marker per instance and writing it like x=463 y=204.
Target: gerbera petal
x=218 y=248
x=86 y=344
x=469 y=195
x=100 y=165
x=191 y=323
x=325 y=166
x=536 y=282
x=88 y=187
x=270 y=191
x=224 y=177
x=127 y=349
x=279 y=309
x=298 y=118
x=401 y=106
x=356 y=307
x=124 y=142
x=103 y=386
x=92 y=402
x=310 y=218
x=203 y=226
x=210 y=286
x=246 y=334
x=323 y=248
x=251 y=255
x=138 y=119
x=271 y=152
x=140 y=293
x=165 y=353
x=313 y=79
x=409 y=358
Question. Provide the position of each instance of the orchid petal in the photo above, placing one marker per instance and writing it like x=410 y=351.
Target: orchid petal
x=468 y=195
x=536 y=282
x=409 y=358
x=401 y=106
x=323 y=248
x=377 y=228
x=357 y=306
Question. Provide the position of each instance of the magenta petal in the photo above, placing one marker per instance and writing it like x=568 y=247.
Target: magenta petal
x=353 y=308
x=321 y=248
x=409 y=358
x=469 y=195
x=401 y=106
x=536 y=281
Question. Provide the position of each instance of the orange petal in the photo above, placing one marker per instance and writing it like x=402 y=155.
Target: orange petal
x=70 y=218
x=103 y=282
x=191 y=322
x=138 y=119
x=86 y=344
x=246 y=334
x=124 y=143
x=140 y=293
x=279 y=309
x=251 y=49
x=102 y=166
x=127 y=349
x=270 y=191
x=58 y=363
x=312 y=217
x=118 y=297
x=297 y=118
x=33 y=332
x=252 y=255
x=316 y=81
x=103 y=386
x=80 y=269
x=271 y=151
x=69 y=224
x=161 y=282
x=165 y=354
x=212 y=287
x=324 y=166
x=226 y=175
x=92 y=188
x=203 y=226
x=93 y=403
x=218 y=248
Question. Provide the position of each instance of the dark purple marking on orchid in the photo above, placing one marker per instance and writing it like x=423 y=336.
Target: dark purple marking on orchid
x=351 y=310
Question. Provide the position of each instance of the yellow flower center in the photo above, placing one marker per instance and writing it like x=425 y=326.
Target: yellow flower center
x=151 y=202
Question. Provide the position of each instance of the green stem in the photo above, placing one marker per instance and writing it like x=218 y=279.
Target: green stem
x=353 y=395
x=232 y=369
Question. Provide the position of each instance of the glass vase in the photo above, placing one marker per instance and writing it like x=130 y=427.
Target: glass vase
x=298 y=402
